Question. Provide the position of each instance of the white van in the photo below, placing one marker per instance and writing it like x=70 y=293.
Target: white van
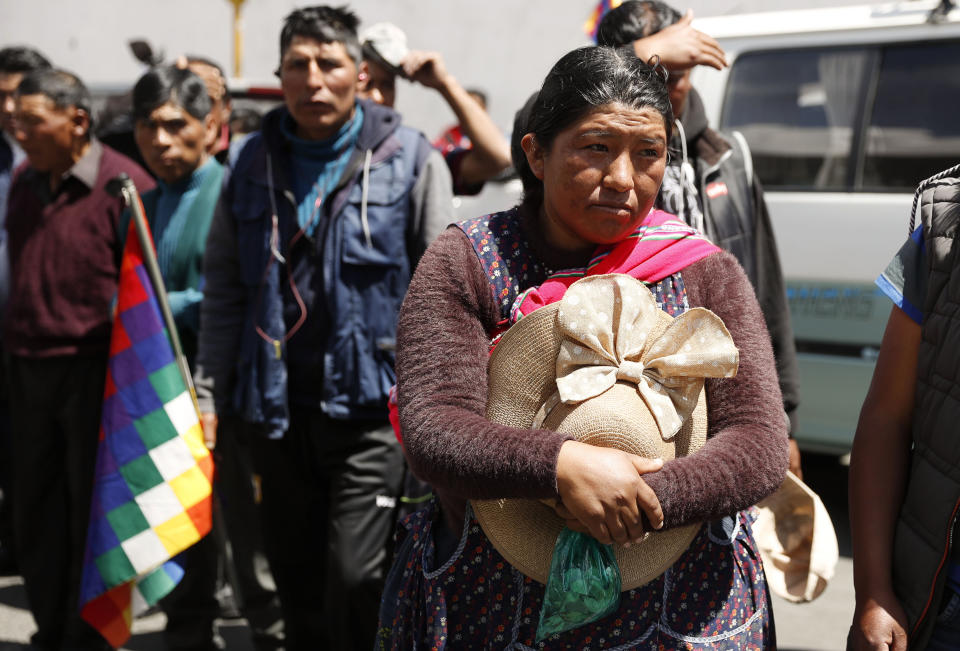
x=845 y=110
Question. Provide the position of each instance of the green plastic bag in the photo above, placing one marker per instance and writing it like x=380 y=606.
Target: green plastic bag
x=584 y=584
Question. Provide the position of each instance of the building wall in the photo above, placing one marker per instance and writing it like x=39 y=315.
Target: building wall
x=503 y=46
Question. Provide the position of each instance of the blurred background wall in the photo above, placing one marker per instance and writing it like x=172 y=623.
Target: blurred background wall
x=502 y=46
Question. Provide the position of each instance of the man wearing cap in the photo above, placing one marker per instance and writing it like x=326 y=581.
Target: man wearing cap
x=312 y=246
x=64 y=264
x=385 y=57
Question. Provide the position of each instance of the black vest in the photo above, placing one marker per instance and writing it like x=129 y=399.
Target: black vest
x=924 y=533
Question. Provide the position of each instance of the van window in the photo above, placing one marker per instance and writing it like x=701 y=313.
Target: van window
x=802 y=111
x=914 y=129
x=798 y=110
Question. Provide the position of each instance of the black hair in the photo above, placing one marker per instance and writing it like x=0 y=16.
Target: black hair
x=170 y=84
x=324 y=24
x=63 y=88
x=21 y=59
x=635 y=19
x=479 y=93
x=582 y=80
x=194 y=58
x=248 y=120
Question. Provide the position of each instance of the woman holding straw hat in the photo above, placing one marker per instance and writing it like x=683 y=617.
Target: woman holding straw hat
x=593 y=411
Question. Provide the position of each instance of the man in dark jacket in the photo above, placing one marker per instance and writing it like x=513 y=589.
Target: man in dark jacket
x=64 y=264
x=711 y=184
x=309 y=256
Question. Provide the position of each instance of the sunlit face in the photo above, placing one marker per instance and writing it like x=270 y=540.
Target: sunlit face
x=48 y=134
x=377 y=84
x=173 y=142
x=319 y=82
x=679 y=87
x=601 y=175
x=8 y=86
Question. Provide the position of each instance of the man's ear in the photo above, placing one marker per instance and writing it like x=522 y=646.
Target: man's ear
x=225 y=111
x=81 y=122
x=363 y=75
x=211 y=134
x=534 y=153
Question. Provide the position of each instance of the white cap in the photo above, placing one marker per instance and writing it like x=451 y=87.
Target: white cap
x=387 y=42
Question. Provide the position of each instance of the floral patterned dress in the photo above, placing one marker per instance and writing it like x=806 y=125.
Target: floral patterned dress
x=713 y=597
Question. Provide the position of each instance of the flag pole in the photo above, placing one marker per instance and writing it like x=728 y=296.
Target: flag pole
x=132 y=197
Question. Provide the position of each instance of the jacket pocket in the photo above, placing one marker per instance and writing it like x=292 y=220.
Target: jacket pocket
x=251 y=211
x=374 y=227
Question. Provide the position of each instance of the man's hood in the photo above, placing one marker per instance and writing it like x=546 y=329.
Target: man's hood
x=694 y=119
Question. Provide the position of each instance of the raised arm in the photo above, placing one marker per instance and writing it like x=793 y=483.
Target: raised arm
x=490 y=153
x=680 y=47
x=878 y=474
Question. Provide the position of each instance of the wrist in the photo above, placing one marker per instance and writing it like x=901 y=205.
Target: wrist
x=448 y=86
x=568 y=449
x=641 y=49
x=872 y=585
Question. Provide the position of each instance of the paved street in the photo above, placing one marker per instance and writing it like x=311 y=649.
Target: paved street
x=821 y=625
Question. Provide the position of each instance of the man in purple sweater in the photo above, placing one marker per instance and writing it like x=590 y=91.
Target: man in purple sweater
x=64 y=260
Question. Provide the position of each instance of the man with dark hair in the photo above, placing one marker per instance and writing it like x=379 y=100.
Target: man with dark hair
x=64 y=263
x=14 y=63
x=327 y=210
x=711 y=184
x=174 y=127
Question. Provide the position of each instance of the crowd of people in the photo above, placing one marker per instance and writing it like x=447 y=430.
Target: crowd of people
x=357 y=353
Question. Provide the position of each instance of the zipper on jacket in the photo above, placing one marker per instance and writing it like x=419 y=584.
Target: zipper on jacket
x=936 y=576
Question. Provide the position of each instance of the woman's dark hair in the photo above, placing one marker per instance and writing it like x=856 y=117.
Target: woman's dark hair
x=324 y=24
x=63 y=88
x=170 y=84
x=635 y=19
x=583 y=80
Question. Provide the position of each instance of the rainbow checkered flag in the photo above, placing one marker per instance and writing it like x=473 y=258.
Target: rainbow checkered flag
x=593 y=22
x=152 y=488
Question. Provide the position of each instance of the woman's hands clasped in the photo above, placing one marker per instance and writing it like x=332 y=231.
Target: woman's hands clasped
x=603 y=494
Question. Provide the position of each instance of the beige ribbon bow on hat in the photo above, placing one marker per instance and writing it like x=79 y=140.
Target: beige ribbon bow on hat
x=610 y=332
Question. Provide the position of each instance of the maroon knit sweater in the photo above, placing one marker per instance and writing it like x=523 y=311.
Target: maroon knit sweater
x=64 y=261
x=442 y=353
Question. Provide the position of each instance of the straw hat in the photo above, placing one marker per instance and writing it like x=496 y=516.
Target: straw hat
x=797 y=541
x=608 y=367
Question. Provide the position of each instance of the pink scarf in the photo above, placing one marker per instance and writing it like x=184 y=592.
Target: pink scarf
x=662 y=245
